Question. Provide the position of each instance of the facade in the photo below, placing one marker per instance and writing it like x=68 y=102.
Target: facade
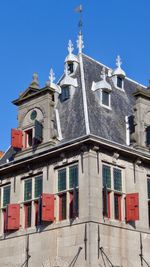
x=75 y=182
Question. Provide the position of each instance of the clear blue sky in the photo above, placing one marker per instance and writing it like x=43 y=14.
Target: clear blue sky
x=34 y=35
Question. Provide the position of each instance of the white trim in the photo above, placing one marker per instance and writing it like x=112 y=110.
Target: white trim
x=126 y=78
x=84 y=95
x=109 y=99
x=127 y=131
x=58 y=124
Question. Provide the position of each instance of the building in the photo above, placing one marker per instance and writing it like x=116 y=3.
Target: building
x=75 y=182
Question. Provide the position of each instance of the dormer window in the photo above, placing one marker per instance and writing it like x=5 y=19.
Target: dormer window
x=105 y=98
x=65 y=93
x=70 y=68
x=120 y=82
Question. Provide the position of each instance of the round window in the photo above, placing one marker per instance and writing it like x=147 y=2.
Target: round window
x=33 y=115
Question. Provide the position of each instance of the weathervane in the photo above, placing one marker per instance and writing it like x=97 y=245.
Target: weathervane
x=79 y=10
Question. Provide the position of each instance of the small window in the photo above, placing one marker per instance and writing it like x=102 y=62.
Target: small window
x=73 y=176
x=28 y=138
x=117 y=179
x=28 y=214
x=38 y=186
x=70 y=67
x=28 y=190
x=117 y=207
x=119 y=82
x=62 y=206
x=105 y=98
x=148 y=136
x=106 y=176
x=6 y=195
x=62 y=180
x=65 y=93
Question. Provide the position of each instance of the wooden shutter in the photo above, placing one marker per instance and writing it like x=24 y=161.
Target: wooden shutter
x=47 y=208
x=16 y=138
x=38 y=131
x=13 y=217
x=132 y=207
x=148 y=136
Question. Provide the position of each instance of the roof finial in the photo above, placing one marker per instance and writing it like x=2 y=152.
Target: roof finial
x=51 y=76
x=35 y=82
x=80 y=44
x=70 y=47
x=103 y=74
x=118 y=61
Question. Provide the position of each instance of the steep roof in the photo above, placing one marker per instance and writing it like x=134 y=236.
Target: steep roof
x=103 y=122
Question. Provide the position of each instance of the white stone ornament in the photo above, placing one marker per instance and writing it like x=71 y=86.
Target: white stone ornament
x=103 y=74
x=80 y=43
x=118 y=61
x=70 y=47
x=51 y=76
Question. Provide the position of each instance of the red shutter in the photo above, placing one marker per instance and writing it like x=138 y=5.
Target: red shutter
x=47 y=208
x=13 y=217
x=132 y=207
x=16 y=138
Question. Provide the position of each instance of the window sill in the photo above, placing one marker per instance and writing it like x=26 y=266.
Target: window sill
x=107 y=107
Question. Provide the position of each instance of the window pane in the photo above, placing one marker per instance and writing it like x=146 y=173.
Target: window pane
x=105 y=98
x=116 y=207
x=38 y=186
x=65 y=94
x=62 y=207
x=6 y=195
x=148 y=188
x=119 y=82
x=73 y=176
x=28 y=215
x=117 y=179
x=62 y=180
x=28 y=189
x=106 y=176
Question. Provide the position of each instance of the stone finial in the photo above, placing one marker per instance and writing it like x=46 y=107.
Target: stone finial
x=103 y=74
x=70 y=47
x=118 y=61
x=80 y=43
x=35 y=82
x=51 y=76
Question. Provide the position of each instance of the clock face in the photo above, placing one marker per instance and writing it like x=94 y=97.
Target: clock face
x=33 y=115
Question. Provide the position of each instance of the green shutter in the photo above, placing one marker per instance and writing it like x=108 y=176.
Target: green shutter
x=117 y=179
x=73 y=176
x=62 y=180
x=28 y=189
x=6 y=195
x=38 y=186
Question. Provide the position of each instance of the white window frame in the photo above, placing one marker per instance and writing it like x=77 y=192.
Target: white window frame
x=109 y=100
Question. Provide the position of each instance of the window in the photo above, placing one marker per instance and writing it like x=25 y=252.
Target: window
x=67 y=188
x=148 y=136
x=119 y=82
x=112 y=190
x=5 y=200
x=105 y=98
x=6 y=195
x=33 y=188
x=70 y=67
x=65 y=93
x=148 y=193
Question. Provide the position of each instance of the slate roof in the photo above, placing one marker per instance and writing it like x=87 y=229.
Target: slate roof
x=109 y=124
